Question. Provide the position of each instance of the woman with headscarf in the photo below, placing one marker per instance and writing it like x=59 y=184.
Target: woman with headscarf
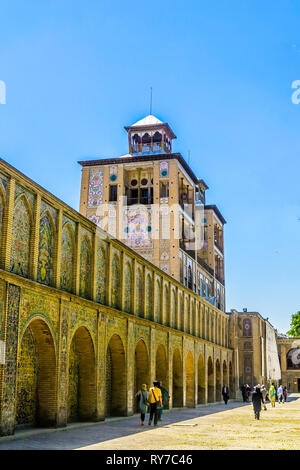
x=257 y=400
x=272 y=395
x=143 y=396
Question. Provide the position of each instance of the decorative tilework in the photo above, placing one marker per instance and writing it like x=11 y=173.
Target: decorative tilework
x=163 y=168
x=149 y=309
x=95 y=187
x=46 y=251
x=85 y=269
x=20 y=245
x=53 y=212
x=30 y=196
x=137 y=223
x=67 y=258
x=115 y=282
x=128 y=289
x=101 y=273
x=139 y=292
x=10 y=368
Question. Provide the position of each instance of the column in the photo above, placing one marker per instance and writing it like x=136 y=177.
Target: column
x=7 y=224
x=8 y=377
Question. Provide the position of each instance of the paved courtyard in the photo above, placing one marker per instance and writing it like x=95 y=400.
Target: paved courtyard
x=209 y=427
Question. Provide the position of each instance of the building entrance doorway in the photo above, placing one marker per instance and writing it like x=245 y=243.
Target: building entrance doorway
x=298 y=385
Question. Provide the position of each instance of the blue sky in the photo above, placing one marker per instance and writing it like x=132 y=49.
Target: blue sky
x=78 y=71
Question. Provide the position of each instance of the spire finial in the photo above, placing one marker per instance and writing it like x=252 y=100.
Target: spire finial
x=151 y=100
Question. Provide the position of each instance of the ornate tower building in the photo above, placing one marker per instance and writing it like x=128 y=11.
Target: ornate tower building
x=151 y=200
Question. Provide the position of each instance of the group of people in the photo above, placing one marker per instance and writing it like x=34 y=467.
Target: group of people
x=260 y=395
x=152 y=401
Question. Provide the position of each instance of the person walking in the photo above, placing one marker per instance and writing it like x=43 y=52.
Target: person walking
x=165 y=396
x=272 y=395
x=143 y=396
x=248 y=389
x=244 y=393
x=264 y=393
x=280 y=394
x=225 y=394
x=257 y=400
x=285 y=393
x=155 y=401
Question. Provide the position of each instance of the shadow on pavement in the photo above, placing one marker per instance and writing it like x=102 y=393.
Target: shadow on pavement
x=88 y=434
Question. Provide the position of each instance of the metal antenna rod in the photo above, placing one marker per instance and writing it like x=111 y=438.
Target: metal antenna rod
x=151 y=100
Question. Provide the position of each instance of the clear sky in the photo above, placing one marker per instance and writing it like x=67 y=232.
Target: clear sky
x=76 y=72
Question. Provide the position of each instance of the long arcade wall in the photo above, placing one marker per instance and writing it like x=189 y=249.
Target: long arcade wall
x=84 y=320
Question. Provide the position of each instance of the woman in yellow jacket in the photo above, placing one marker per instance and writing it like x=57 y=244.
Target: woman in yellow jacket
x=272 y=395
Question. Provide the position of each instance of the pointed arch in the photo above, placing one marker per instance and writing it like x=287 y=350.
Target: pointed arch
x=36 y=376
x=190 y=380
x=173 y=322
x=85 y=268
x=21 y=237
x=201 y=380
x=67 y=258
x=149 y=298
x=139 y=292
x=218 y=380
x=177 y=394
x=101 y=274
x=115 y=282
x=82 y=377
x=128 y=288
x=47 y=241
x=210 y=380
x=166 y=312
x=158 y=312
x=115 y=378
x=141 y=368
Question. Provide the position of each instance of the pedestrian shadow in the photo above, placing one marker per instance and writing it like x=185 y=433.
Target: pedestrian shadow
x=88 y=434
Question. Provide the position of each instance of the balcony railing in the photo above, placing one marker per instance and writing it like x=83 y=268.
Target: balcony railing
x=219 y=246
x=219 y=278
x=143 y=200
x=205 y=266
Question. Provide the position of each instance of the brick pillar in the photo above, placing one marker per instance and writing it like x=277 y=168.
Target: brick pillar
x=183 y=371
x=130 y=367
x=63 y=372
x=8 y=377
x=206 y=374
x=100 y=368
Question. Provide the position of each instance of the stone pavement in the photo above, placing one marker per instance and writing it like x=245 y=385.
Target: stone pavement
x=214 y=426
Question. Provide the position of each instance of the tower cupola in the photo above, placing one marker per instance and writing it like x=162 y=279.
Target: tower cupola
x=150 y=135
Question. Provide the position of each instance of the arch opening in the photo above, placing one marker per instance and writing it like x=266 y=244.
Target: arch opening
x=82 y=377
x=218 y=381
x=36 y=377
x=190 y=381
x=141 y=375
x=115 y=378
x=177 y=380
x=210 y=381
x=201 y=380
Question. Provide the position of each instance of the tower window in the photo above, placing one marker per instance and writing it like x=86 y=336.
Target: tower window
x=113 y=193
x=164 y=189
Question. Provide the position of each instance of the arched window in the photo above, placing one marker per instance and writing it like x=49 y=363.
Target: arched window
x=115 y=282
x=149 y=307
x=128 y=289
x=139 y=292
x=46 y=250
x=67 y=258
x=20 y=243
x=85 y=269
x=146 y=143
x=247 y=327
x=101 y=275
